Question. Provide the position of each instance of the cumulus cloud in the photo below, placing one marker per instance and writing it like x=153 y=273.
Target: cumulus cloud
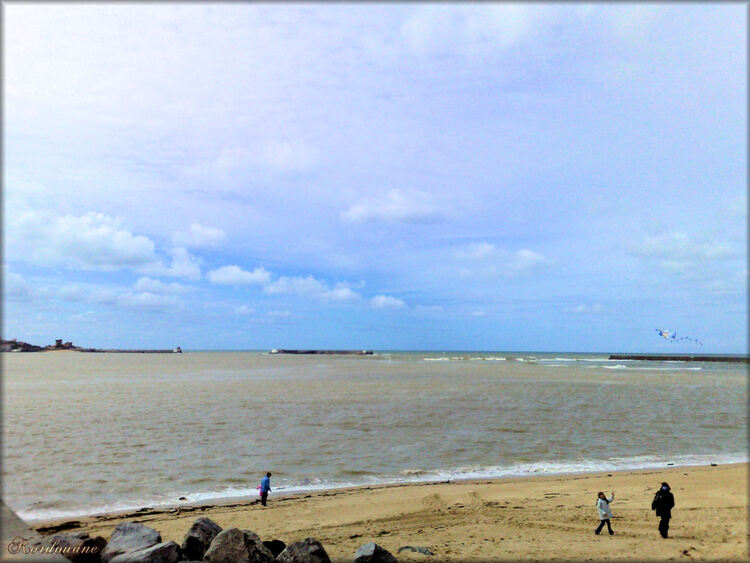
x=234 y=275
x=94 y=241
x=150 y=301
x=679 y=253
x=386 y=302
x=470 y=29
x=490 y=260
x=477 y=251
x=395 y=206
x=156 y=286
x=199 y=236
x=312 y=287
x=16 y=288
x=183 y=265
x=244 y=310
x=595 y=308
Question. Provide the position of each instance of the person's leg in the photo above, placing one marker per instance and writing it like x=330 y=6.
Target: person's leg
x=263 y=498
x=664 y=527
x=609 y=527
x=601 y=525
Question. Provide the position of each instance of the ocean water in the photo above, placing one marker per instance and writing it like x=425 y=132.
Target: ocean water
x=91 y=433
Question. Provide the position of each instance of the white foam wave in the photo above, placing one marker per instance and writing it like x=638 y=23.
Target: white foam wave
x=550 y=467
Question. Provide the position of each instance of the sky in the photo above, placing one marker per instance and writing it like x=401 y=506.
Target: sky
x=496 y=176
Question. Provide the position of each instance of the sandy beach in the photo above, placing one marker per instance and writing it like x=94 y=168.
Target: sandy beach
x=546 y=517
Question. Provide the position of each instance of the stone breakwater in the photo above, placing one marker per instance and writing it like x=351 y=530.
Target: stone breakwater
x=680 y=358
x=133 y=542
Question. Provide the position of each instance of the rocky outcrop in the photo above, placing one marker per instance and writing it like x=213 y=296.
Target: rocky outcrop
x=127 y=537
x=373 y=553
x=166 y=552
x=307 y=551
x=275 y=547
x=237 y=546
x=199 y=538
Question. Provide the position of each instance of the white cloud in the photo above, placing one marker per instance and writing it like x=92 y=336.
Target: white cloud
x=199 y=236
x=312 y=287
x=479 y=314
x=491 y=260
x=595 y=308
x=679 y=253
x=472 y=28
x=156 y=286
x=477 y=251
x=282 y=314
x=183 y=265
x=395 y=206
x=244 y=310
x=234 y=275
x=528 y=259
x=150 y=301
x=15 y=287
x=91 y=242
x=386 y=302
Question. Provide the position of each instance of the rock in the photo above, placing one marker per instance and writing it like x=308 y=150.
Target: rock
x=199 y=538
x=237 y=546
x=129 y=536
x=78 y=547
x=166 y=552
x=307 y=551
x=422 y=550
x=373 y=553
x=275 y=547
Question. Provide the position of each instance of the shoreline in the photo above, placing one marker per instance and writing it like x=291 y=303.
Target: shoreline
x=169 y=506
x=536 y=516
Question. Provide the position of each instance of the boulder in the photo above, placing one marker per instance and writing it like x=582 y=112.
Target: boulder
x=165 y=552
x=275 y=546
x=307 y=551
x=237 y=546
x=78 y=547
x=129 y=536
x=373 y=553
x=199 y=538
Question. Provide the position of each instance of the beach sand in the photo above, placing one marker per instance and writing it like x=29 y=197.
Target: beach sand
x=545 y=517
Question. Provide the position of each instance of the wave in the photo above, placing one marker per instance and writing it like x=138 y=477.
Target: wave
x=38 y=511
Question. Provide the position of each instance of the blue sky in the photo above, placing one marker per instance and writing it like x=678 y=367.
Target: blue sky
x=502 y=176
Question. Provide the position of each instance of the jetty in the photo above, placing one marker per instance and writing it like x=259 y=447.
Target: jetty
x=331 y=352
x=680 y=358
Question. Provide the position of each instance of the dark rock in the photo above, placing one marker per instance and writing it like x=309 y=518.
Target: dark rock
x=275 y=547
x=78 y=547
x=166 y=552
x=199 y=538
x=373 y=553
x=237 y=546
x=307 y=551
x=59 y=527
x=423 y=550
x=129 y=536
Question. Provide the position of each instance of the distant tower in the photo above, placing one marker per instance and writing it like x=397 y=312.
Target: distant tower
x=58 y=343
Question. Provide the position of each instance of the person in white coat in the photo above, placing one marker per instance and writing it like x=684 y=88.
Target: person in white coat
x=605 y=512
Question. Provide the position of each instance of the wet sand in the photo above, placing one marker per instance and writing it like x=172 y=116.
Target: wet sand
x=547 y=517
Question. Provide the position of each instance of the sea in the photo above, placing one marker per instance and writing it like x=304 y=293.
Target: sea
x=86 y=434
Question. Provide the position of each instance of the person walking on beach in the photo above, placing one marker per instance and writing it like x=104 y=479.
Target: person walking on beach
x=605 y=513
x=265 y=488
x=663 y=503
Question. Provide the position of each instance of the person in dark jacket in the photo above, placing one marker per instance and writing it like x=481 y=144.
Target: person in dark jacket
x=265 y=488
x=663 y=503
